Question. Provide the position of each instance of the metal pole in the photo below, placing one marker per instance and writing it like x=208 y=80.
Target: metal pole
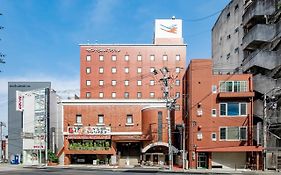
x=264 y=131
x=170 y=140
x=46 y=125
x=183 y=146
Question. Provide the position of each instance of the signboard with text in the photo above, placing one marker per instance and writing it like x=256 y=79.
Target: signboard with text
x=89 y=130
x=19 y=101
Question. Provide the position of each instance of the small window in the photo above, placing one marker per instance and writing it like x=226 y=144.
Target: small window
x=228 y=56
x=243 y=109
x=214 y=136
x=236 y=29
x=101 y=70
x=113 y=94
x=88 y=82
x=79 y=119
x=126 y=94
x=138 y=94
x=165 y=57
x=126 y=70
x=113 y=82
x=222 y=133
x=139 y=82
x=101 y=83
x=100 y=119
x=228 y=36
x=88 y=58
x=126 y=58
x=88 y=70
x=214 y=112
x=88 y=94
x=113 y=57
x=113 y=70
x=178 y=94
x=177 y=57
x=152 y=94
x=139 y=70
x=178 y=69
x=152 y=69
x=139 y=58
x=129 y=119
x=228 y=15
x=236 y=7
x=101 y=94
x=177 y=83
x=152 y=82
x=223 y=109
x=152 y=57
x=101 y=57
x=199 y=135
x=236 y=50
x=214 y=89
x=126 y=82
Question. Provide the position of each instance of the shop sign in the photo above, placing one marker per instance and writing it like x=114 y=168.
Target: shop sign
x=19 y=101
x=89 y=130
x=103 y=50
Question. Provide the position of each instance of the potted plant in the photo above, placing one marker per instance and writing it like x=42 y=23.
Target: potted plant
x=52 y=159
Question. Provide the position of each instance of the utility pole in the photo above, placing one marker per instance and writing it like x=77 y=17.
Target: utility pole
x=183 y=146
x=170 y=105
x=1 y=133
x=2 y=55
x=46 y=124
x=264 y=131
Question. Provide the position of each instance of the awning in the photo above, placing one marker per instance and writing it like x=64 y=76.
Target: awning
x=232 y=149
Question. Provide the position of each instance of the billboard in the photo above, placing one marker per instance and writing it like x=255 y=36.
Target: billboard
x=19 y=101
x=168 y=28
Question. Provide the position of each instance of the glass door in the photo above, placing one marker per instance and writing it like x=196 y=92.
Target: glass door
x=202 y=160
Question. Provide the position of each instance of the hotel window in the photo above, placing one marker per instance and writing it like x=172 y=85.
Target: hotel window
x=88 y=58
x=152 y=94
x=177 y=83
x=101 y=70
x=139 y=58
x=113 y=94
x=152 y=82
x=113 y=82
x=214 y=112
x=178 y=94
x=101 y=82
x=138 y=94
x=126 y=69
x=101 y=57
x=214 y=136
x=129 y=119
x=100 y=119
x=199 y=135
x=139 y=70
x=233 y=86
x=79 y=119
x=177 y=57
x=88 y=94
x=152 y=69
x=126 y=82
x=126 y=94
x=113 y=70
x=233 y=109
x=214 y=89
x=113 y=57
x=139 y=82
x=101 y=94
x=233 y=133
x=88 y=82
x=88 y=70
x=165 y=57
x=126 y=58
x=152 y=57
x=178 y=69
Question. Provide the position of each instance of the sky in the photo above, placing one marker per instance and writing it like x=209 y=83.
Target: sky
x=41 y=38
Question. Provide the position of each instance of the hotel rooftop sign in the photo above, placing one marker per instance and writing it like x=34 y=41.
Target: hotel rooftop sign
x=103 y=50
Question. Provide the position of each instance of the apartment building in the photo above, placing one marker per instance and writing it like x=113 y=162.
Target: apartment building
x=120 y=117
x=259 y=54
x=220 y=119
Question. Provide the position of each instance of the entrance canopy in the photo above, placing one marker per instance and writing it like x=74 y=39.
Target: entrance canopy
x=232 y=149
x=174 y=149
